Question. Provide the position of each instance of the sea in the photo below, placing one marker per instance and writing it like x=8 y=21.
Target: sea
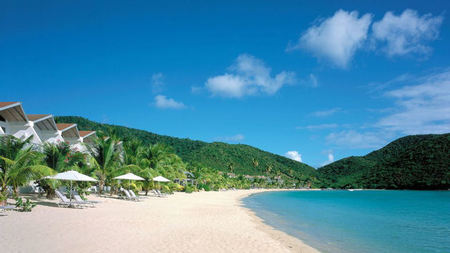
x=360 y=220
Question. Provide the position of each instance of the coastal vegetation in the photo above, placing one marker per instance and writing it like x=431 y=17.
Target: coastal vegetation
x=411 y=162
x=237 y=159
x=19 y=164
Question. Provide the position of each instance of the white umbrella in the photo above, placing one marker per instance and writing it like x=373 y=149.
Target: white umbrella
x=160 y=179
x=72 y=175
x=130 y=176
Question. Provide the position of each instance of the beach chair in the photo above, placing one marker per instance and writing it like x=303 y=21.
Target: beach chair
x=128 y=195
x=8 y=207
x=65 y=202
x=78 y=198
x=160 y=194
x=133 y=195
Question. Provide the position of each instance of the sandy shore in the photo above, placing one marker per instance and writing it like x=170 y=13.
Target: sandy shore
x=198 y=222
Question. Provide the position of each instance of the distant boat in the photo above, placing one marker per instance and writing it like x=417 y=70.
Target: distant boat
x=351 y=190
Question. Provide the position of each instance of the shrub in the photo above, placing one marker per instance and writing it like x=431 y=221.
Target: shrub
x=24 y=206
x=189 y=189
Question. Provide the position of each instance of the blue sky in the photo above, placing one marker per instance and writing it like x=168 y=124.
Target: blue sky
x=321 y=80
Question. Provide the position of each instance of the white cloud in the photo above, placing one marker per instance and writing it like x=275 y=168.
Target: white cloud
x=326 y=113
x=234 y=138
x=353 y=139
x=164 y=102
x=330 y=159
x=336 y=38
x=407 y=32
x=157 y=82
x=423 y=107
x=248 y=76
x=294 y=155
x=318 y=127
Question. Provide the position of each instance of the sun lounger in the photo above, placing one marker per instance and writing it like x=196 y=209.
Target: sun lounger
x=128 y=195
x=160 y=194
x=78 y=198
x=65 y=202
x=133 y=195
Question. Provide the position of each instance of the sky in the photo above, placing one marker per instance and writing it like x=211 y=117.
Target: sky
x=315 y=81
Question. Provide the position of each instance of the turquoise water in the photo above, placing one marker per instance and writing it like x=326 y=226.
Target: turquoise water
x=360 y=221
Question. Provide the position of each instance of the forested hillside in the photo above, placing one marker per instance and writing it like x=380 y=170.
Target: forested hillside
x=241 y=159
x=411 y=162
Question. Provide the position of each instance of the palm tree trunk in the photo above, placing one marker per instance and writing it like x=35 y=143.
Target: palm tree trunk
x=50 y=193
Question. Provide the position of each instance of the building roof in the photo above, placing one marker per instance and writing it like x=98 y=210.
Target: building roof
x=12 y=111
x=34 y=117
x=86 y=133
x=3 y=104
x=62 y=126
x=69 y=130
x=43 y=121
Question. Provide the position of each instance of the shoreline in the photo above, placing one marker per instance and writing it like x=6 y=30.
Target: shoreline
x=294 y=244
x=197 y=222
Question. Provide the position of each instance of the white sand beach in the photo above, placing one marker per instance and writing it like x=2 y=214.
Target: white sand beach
x=198 y=222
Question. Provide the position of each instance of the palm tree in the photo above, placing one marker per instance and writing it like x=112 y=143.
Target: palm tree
x=131 y=149
x=153 y=154
x=60 y=158
x=105 y=157
x=19 y=164
x=158 y=159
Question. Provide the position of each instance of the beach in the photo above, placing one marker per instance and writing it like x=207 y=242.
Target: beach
x=197 y=222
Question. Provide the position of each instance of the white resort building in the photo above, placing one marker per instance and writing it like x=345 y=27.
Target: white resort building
x=42 y=128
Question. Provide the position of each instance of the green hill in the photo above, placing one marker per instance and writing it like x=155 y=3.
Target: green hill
x=216 y=155
x=411 y=162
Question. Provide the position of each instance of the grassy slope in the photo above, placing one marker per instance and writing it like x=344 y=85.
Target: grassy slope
x=411 y=162
x=215 y=155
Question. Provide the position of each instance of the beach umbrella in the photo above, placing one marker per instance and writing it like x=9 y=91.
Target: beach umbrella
x=129 y=177
x=71 y=176
x=161 y=179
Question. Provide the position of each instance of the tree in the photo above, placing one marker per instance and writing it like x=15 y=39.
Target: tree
x=19 y=164
x=158 y=159
x=269 y=169
x=231 y=167
x=105 y=157
x=60 y=158
x=255 y=163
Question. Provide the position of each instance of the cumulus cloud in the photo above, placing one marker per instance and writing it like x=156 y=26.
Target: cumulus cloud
x=234 y=138
x=330 y=158
x=157 y=82
x=336 y=38
x=294 y=155
x=354 y=139
x=248 y=76
x=421 y=107
x=407 y=32
x=326 y=113
x=164 y=102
